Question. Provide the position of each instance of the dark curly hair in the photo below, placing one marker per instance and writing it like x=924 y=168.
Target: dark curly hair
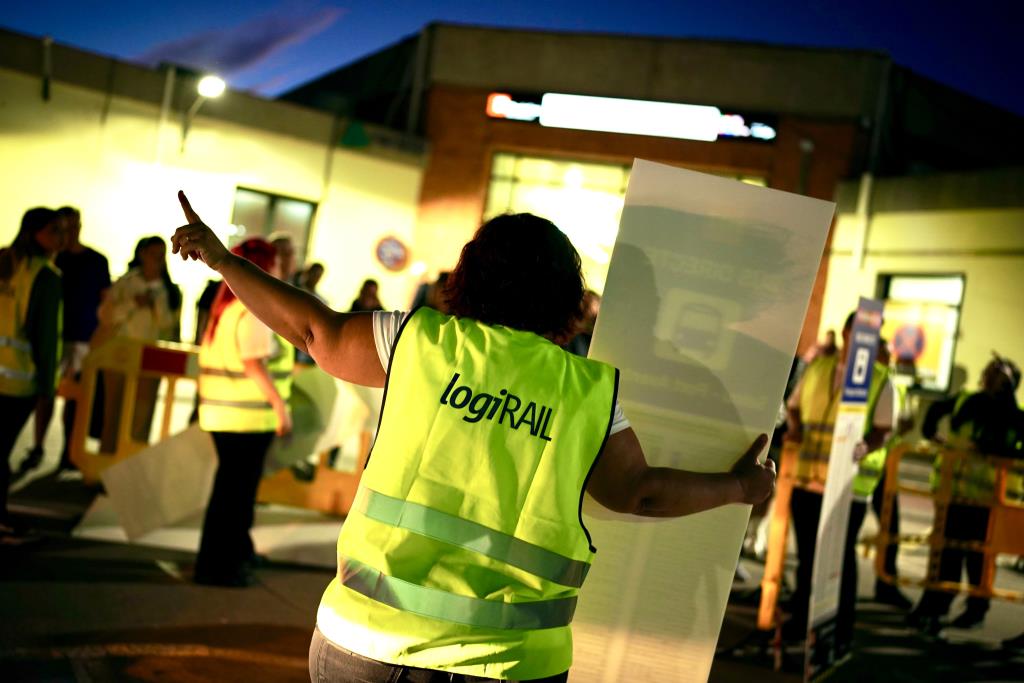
x=521 y=271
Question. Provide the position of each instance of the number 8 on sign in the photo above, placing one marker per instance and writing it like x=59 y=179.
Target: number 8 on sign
x=860 y=365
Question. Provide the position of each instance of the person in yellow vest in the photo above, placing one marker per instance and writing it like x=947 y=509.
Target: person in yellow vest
x=464 y=552
x=245 y=375
x=811 y=415
x=869 y=482
x=987 y=422
x=30 y=340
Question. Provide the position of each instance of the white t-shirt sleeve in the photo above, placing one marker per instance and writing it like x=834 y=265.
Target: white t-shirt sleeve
x=386 y=325
x=255 y=340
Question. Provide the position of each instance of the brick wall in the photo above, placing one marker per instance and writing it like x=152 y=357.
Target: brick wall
x=463 y=139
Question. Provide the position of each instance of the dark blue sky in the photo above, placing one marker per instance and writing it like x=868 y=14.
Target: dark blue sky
x=272 y=45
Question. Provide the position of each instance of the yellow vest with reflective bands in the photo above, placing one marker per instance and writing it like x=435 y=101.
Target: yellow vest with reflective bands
x=465 y=549
x=17 y=368
x=974 y=477
x=819 y=405
x=871 y=467
x=228 y=400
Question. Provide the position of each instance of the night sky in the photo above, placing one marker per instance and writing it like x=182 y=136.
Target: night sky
x=269 y=46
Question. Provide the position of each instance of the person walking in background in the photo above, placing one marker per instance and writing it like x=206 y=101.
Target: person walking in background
x=987 y=422
x=367 y=299
x=30 y=340
x=245 y=375
x=143 y=304
x=86 y=278
x=464 y=552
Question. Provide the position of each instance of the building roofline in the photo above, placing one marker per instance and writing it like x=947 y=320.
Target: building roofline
x=661 y=38
x=112 y=75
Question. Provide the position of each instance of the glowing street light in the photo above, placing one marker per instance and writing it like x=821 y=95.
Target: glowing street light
x=209 y=86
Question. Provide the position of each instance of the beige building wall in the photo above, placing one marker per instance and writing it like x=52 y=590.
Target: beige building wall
x=112 y=158
x=985 y=245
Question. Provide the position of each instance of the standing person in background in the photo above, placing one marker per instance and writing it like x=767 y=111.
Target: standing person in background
x=143 y=304
x=245 y=375
x=367 y=299
x=308 y=279
x=86 y=278
x=869 y=482
x=580 y=344
x=811 y=417
x=203 y=305
x=987 y=422
x=30 y=339
x=285 y=247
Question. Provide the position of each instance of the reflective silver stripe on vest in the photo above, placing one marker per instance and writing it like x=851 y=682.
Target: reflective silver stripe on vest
x=252 y=405
x=19 y=344
x=439 y=604
x=447 y=528
x=238 y=374
x=21 y=375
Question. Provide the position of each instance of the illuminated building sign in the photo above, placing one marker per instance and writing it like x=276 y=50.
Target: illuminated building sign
x=634 y=117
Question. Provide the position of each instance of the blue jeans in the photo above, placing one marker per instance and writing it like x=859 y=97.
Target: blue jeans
x=329 y=663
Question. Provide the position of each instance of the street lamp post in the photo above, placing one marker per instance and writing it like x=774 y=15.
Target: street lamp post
x=208 y=87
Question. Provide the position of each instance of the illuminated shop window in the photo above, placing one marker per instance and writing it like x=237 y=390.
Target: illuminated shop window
x=583 y=198
x=922 y=315
x=259 y=214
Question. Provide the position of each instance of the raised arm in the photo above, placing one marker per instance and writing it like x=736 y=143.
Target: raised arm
x=622 y=481
x=340 y=343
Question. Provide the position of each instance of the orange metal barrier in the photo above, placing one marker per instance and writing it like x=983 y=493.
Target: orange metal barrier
x=133 y=360
x=778 y=532
x=1005 y=526
x=330 y=491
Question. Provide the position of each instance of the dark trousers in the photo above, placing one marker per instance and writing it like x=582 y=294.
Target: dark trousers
x=14 y=411
x=806 y=512
x=329 y=663
x=894 y=525
x=226 y=547
x=963 y=523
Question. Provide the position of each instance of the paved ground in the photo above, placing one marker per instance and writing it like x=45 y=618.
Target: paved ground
x=82 y=609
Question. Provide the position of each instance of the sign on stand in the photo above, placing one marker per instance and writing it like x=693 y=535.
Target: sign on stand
x=822 y=646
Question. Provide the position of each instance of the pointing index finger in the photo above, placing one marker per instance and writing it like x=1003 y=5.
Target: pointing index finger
x=190 y=215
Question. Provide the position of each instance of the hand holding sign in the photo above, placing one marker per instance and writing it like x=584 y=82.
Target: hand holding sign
x=197 y=240
x=757 y=480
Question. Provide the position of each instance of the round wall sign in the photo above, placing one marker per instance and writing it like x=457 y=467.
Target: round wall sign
x=392 y=253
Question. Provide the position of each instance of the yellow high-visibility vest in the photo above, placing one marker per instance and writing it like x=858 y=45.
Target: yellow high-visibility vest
x=228 y=400
x=974 y=477
x=819 y=405
x=18 y=375
x=872 y=466
x=465 y=548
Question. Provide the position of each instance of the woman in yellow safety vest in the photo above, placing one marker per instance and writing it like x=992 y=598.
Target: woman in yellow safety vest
x=244 y=381
x=30 y=336
x=464 y=551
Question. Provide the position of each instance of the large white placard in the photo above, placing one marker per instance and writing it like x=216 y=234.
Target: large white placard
x=705 y=298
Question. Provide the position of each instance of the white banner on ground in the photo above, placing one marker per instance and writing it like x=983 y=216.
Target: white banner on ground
x=164 y=484
x=705 y=298
x=826 y=579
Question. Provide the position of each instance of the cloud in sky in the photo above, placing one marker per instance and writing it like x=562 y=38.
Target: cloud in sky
x=233 y=49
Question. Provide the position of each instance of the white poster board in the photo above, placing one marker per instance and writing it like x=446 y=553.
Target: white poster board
x=162 y=484
x=704 y=302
